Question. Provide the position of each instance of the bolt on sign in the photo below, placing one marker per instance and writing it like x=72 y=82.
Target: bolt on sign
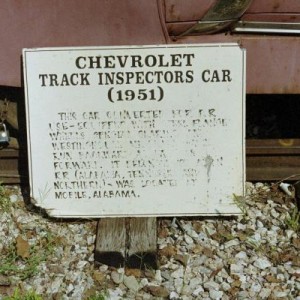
x=137 y=130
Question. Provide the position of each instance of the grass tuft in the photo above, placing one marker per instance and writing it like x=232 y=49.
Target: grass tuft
x=11 y=264
x=17 y=295
x=292 y=221
x=98 y=296
x=5 y=203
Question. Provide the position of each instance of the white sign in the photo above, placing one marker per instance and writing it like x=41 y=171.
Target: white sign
x=136 y=131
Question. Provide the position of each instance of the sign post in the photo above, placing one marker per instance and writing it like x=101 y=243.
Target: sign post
x=136 y=131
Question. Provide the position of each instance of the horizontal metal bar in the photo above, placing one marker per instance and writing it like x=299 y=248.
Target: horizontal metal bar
x=266 y=28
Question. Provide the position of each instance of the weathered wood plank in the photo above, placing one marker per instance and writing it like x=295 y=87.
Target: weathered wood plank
x=111 y=242
x=142 y=243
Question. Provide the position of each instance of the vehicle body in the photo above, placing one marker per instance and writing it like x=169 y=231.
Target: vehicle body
x=267 y=29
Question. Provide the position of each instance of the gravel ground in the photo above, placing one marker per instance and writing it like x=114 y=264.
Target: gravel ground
x=254 y=256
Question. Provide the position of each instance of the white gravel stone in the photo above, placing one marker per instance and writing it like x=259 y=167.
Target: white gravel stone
x=199 y=290
x=13 y=198
x=241 y=226
x=225 y=286
x=280 y=277
x=55 y=285
x=144 y=282
x=91 y=239
x=81 y=264
x=70 y=288
x=243 y=295
x=255 y=288
x=132 y=283
x=178 y=273
x=195 y=282
x=115 y=294
x=231 y=243
x=209 y=228
x=290 y=234
x=204 y=270
x=242 y=255
x=188 y=239
x=265 y=293
x=274 y=213
x=262 y=263
x=216 y=295
x=211 y=285
x=236 y=268
x=158 y=278
x=281 y=294
x=117 y=277
x=202 y=236
x=190 y=231
x=174 y=295
x=178 y=283
x=103 y=268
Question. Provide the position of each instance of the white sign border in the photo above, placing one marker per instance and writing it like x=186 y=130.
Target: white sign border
x=62 y=213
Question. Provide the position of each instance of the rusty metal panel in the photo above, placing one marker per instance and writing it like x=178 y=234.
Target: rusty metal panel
x=43 y=23
x=187 y=10
x=273 y=62
x=278 y=6
x=272 y=17
x=273 y=65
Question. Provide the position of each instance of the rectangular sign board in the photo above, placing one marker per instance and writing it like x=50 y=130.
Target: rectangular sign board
x=137 y=130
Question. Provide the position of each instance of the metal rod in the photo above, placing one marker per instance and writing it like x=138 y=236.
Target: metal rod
x=267 y=28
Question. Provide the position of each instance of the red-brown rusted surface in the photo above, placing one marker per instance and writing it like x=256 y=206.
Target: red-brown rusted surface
x=272 y=17
x=193 y=10
x=278 y=6
x=273 y=65
x=187 y=10
x=44 y=23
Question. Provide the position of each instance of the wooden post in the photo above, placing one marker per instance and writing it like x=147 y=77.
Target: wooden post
x=111 y=242
x=142 y=243
x=127 y=241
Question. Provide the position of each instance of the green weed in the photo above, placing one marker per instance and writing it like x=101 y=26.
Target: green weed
x=17 y=295
x=11 y=264
x=292 y=221
x=98 y=296
x=240 y=202
x=255 y=245
x=5 y=203
x=226 y=236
